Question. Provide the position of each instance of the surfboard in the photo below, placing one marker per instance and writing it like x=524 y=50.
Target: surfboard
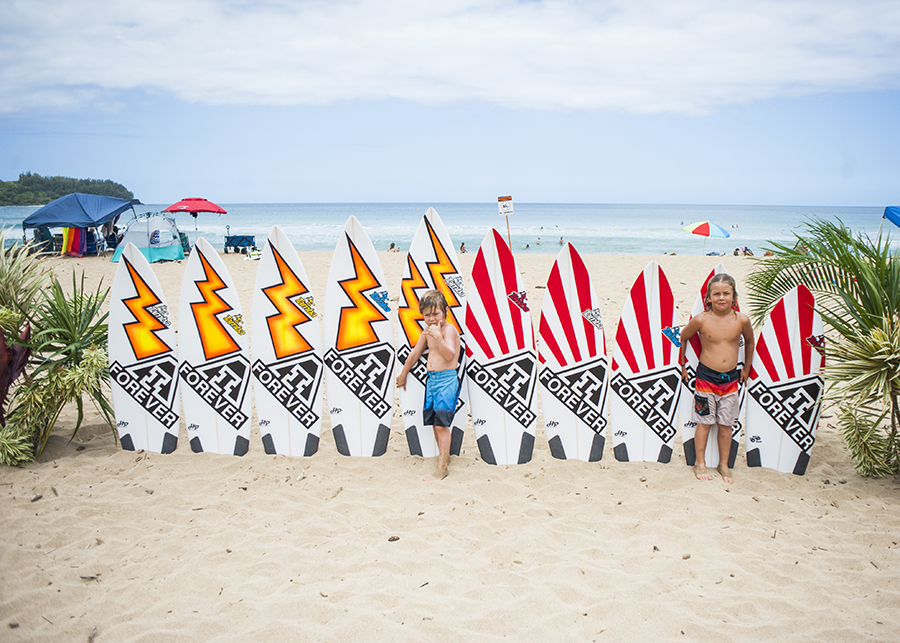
x=431 y=264
x=358 y=346
x=502 y=356
x=143 y=364
x=212 y=351
x=645 y=379
x=572 y=351
x=686 y=402
x=784 y=392
x=286 y=352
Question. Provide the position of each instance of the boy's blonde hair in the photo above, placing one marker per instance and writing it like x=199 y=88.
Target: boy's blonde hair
x=433 y=299
x=723 y=278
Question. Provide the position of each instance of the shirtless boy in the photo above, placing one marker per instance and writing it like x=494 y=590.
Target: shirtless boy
x=716 y=391
x=442 y=386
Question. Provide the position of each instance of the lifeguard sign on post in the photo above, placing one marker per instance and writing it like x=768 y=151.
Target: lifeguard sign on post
x=506 y=208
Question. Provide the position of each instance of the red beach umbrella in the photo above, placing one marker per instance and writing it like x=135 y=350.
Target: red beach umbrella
x=195 y=205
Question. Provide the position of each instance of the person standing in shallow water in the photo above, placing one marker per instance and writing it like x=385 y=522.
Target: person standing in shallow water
x=442 y=386
x=717 y=384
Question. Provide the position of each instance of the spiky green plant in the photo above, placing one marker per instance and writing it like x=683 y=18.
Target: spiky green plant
x=856 y=282
x=23 y=275
x=70 y=362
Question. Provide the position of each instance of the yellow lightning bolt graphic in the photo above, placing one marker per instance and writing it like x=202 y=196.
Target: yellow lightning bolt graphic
x=438 y=268
x=142 y=332
x=286 y=340
x=355 y=326
x=410 y=316
x=215 y=338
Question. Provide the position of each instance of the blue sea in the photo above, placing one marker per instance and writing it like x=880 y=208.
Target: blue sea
x=591 y=228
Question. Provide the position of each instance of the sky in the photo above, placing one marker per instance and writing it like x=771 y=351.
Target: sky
x=786 y=102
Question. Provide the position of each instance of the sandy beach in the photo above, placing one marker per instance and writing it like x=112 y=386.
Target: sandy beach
x=101 y=544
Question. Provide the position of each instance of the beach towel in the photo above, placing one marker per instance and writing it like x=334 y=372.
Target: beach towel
x=74 y=241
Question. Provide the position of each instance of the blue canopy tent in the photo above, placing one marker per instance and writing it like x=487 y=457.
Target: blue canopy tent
x=892 y=214
x=78 y=210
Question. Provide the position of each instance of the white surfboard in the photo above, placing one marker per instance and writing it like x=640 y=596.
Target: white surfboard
x=212 y=351
x=784 y=392
x=143 y=364
x=431 y=265
x=502 y=366
x=286 y=352
x=574 y=374
x=686 y=402
x=646 y=379
x=358 y=346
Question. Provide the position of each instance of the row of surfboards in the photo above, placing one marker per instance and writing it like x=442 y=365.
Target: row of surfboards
x=641 y=400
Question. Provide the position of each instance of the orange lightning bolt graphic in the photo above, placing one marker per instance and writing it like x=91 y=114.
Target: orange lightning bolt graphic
x=286 y=340
x=142 y=332
x=215 y=339
x=438 y=268
x=410 y=316
x=355 y=326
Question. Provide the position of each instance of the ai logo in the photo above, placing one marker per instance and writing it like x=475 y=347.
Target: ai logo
x=510 y=382
x=152 y=384
x=294 y=382
x=673 y=334
x=794 y=405
x=366 y=371
x=455 y=284
x=223 y=384
x=520 y=299
x=653 y=397
x=581 y=390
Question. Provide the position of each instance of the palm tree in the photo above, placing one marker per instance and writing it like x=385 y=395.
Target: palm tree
x=856 y=281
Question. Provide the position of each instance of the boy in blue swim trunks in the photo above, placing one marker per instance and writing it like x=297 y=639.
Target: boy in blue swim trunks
x=442 y=385
x=716 y=394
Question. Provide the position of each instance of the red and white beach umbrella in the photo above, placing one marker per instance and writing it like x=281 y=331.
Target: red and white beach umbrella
x=707 y=229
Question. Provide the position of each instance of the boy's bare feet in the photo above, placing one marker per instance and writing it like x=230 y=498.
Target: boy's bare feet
x=440 y=473
x=702 y=473
x=725 y=472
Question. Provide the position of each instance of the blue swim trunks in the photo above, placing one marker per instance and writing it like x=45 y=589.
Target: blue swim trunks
x=441 y=393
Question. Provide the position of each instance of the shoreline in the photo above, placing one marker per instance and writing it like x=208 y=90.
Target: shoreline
x=136 y=546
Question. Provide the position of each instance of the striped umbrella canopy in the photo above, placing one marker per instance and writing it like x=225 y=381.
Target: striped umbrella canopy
x=707 y=229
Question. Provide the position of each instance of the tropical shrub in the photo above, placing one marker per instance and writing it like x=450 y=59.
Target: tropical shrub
x=856 y=281
x=69 y=362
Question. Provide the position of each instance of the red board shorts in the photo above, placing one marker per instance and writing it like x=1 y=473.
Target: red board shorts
x=441 y=393
x=716 y=396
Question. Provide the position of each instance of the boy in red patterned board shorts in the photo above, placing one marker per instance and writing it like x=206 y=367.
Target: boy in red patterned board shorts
x=716 y=392
x=442 y=386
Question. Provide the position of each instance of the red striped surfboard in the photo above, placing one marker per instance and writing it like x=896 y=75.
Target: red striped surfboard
x=688 y=427
x=785 y=388
x=502 y=358
x=574 y=369
x=646 y=379
x=431 y=265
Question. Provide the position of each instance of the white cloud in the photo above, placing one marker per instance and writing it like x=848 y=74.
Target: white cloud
x=636 y=56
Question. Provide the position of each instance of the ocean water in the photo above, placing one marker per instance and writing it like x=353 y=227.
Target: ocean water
x=591 y=228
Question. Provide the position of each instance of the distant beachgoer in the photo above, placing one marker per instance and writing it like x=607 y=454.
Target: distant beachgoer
x=561 y=241
x=527 y=246
x=393 y=248
x=538 y=241
x=462 y=248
